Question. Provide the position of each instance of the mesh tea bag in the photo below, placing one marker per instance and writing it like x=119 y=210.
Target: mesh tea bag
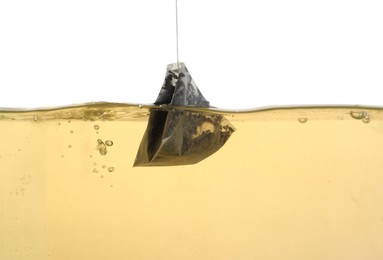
x=177 y=135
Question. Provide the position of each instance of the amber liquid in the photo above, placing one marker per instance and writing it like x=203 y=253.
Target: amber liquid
x=291 y=183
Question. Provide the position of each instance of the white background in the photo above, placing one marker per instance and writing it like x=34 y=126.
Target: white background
x=241 y=53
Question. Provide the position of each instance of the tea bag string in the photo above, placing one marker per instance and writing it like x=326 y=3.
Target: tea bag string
x=178 y=61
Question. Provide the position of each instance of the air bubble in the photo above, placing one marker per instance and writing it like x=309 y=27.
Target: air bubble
x=101 y=147
x=302 y=120
x=140 y=106
x=96 y=127
x=366 y=119
x=110 y=169
x=358 y=114
x=109 y=143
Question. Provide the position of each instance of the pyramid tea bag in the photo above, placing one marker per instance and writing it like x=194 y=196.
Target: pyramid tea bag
x=178 y=136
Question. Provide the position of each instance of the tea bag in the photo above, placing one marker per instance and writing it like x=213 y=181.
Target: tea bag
x=177 y=135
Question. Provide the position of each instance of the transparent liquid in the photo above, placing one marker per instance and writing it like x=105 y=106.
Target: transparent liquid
x=291 y=183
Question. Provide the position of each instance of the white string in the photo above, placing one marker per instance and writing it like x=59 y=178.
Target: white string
x=178 y=62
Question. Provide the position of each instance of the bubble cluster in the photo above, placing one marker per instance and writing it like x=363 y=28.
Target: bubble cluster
x=102 y=147
x=104 y=167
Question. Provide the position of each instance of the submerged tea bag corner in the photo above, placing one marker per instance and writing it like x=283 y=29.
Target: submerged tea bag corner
x=179 y=136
